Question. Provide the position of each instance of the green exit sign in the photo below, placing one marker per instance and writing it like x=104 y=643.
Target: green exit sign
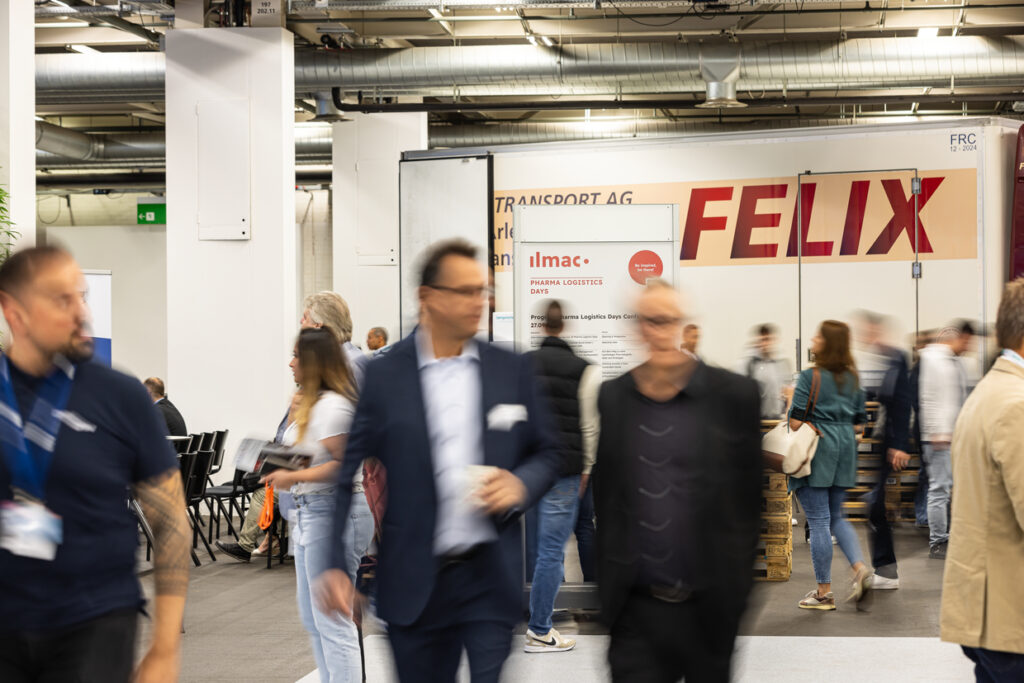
x=151 y=211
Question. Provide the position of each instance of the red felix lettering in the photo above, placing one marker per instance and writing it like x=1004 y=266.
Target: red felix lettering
x=748 y=219
x=697 y=222
x=806 y=200
x=855 y=217
x=903 y=216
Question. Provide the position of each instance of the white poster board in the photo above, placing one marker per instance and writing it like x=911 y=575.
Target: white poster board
x=595 y=260
x=100 y=301
x=440 y=199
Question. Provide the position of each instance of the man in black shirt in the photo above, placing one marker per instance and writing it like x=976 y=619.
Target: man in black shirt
x=677 y=493
x=75 y=438
x=175 y=422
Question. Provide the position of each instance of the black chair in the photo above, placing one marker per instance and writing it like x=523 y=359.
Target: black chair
x=195 y=493
x=187 y=464
x=219 y=440
x=234 y=494
x=206 y=442
x=181 y=445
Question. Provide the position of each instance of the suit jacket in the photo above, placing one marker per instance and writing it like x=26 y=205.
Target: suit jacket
x=175 y=422
x=390 y=423
x=982 y=593
x=728 y=452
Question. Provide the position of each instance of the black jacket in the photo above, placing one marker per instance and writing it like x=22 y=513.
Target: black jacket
x=729 y=453
x=896 y=396
x=175 y=422
x=560 y=370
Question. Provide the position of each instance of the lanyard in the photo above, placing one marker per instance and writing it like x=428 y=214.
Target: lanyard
x=28 y=448
x=1013 y=357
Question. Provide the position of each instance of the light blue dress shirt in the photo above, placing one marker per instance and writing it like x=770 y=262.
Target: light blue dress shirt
x=454 y=410
x=357 y=361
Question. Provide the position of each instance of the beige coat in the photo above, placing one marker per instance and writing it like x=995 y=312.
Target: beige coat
x=983 y=586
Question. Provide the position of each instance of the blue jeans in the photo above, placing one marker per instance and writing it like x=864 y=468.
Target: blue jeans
x=556 y=517
x=991 y=666
x=921 y=496
x=940 y=489
x=335 y=639
x=824 y=510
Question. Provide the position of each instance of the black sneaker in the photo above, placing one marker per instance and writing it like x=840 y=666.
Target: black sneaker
x=938 y=551
x=234 y=550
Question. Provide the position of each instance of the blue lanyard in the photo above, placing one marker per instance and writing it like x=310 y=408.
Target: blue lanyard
x=1013 y=357
x=28 y=448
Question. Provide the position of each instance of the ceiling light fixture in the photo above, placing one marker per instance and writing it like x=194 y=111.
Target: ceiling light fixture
x=547 y=41
x=84 y=49
x=927 y=32
x=532 y=38
x=64 y=24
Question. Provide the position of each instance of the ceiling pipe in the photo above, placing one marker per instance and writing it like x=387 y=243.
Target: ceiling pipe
x=590 y=69
x=720 y=69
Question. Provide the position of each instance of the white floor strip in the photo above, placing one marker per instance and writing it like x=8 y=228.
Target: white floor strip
x=758 y=659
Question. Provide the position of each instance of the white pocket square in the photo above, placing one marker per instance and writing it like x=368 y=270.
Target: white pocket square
x=504 y=416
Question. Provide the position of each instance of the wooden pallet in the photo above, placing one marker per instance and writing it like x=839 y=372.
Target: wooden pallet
x=775 y=547
x=777 y=506
x=856 y=510
x=776 y=527
x=773 y=568
x=774 y=484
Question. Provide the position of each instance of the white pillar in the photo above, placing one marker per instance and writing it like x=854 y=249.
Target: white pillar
x=232 y=300
x=367 y=151
x=17 y=116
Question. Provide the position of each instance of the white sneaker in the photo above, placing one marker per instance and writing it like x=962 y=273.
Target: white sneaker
x=881 y=583
x=552 y=641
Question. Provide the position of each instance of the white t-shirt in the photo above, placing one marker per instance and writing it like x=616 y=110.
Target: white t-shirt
x=331 y=416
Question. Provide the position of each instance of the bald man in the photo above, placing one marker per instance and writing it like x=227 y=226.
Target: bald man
x=677 y=495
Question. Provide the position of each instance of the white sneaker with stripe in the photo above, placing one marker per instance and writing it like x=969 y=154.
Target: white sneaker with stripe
x=552 y=641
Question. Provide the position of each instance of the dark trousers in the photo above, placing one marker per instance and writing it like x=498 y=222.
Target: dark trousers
x=883 y=554
x=585 y=534
x=99 y=651
x=659 y=642
x=464 y=612
x=991 y=666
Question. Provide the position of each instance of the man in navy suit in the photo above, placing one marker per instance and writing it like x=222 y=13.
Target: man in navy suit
x=468 y=446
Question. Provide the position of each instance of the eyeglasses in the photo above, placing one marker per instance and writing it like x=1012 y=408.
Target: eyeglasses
x=658 y=321
x=466 y=292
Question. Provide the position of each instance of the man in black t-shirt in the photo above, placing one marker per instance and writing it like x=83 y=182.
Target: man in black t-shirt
x=75 y=439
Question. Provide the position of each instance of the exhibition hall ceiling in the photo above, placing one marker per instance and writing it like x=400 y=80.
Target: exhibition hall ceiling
x=530 y=71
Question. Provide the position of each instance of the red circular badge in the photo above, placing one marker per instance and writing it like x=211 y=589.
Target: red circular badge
x=644 y=265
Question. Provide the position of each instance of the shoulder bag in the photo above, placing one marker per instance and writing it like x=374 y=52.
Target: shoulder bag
x=791 y=451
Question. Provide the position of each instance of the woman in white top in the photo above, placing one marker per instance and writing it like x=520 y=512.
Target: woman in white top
x=319 y=420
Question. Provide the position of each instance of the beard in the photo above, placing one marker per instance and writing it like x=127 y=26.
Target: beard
x=80 y=350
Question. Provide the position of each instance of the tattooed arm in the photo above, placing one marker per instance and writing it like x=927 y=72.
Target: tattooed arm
x=163 y=502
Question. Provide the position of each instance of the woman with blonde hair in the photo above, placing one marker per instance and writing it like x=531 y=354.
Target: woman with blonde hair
x=838 y=414
x=319 y=420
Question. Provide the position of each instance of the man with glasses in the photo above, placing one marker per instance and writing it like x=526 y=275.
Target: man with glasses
x=467 y=443
x=677 y=494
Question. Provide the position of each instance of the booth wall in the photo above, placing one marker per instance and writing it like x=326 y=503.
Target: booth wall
x=728 y=297
x=136 y=256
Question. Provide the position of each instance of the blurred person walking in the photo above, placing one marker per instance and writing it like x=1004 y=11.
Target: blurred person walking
x=773 y=375
x=838 y=414
x=320 y=420
x=942 y=391
x=677 y=492
x=468 y=445
x=76 y=437
x=885 y=378
x=571 y=384
x=981 y=589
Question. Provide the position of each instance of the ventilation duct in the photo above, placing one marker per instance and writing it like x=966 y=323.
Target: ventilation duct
x=720 y=69
x=622 y=68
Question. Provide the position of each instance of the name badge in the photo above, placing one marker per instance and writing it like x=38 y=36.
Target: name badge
x=28 y=529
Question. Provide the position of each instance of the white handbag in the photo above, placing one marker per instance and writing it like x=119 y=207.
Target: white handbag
x=791 y=451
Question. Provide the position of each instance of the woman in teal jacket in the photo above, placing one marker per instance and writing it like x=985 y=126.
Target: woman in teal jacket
x=839 y=415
